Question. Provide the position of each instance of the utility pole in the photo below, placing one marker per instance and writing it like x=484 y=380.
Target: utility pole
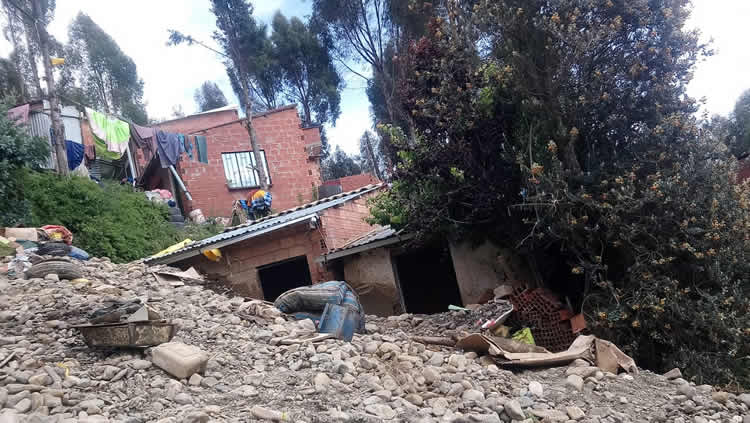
x=58 y=132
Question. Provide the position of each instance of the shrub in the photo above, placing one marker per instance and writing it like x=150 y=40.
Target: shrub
x=17 y=150
x=107 y=221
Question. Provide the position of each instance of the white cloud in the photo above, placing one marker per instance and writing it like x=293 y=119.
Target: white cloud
x=724 y=76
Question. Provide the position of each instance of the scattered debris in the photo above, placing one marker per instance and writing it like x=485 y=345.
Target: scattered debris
x=311 y=302
x=176 y=278
x=139 y=334
x=61 y=267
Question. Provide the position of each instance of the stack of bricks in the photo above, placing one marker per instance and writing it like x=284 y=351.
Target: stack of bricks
x=541 y=311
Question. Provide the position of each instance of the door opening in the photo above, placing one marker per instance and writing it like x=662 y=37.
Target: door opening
x=277 y=278
x=428 y=280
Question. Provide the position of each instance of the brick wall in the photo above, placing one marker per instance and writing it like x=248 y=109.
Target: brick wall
x=239 y=264
x=349 y=183
x=346 y=222
x=294 y=176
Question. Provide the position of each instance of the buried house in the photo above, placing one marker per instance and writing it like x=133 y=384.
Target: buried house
x=268 y=256
x=329 y=239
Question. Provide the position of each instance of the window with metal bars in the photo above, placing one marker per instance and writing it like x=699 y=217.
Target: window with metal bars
x=238 y=170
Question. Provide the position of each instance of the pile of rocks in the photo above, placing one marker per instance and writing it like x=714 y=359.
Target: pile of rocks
x=251 y=375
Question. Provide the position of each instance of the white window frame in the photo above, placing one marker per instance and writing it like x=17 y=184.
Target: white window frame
x=238 y=174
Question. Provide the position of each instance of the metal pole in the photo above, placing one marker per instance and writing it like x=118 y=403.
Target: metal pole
x=179 y=182
x=130 y=162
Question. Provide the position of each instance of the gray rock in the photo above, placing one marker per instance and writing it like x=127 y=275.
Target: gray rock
x=381 y=410
x=52 y=277
x=436 y=359
x=371 y=347
x=472 y=395
x=40 y=379
x=196 y=417
x=195 y=380
x=700 y=419
x=536 y=389
x=321 y=381
x=744 y=398
x=485 y=418
x=575 y=413
x=430 y=375
x=9 y=416
x=575 y=381
x=140 y=364
x=209 y=382
x=720 y=397
x=23 y=406
x=686 y=390
x=109 y=372
x=583 y=372
x=514 y=411
x=183 y=398
x=415 y=399
x=673 y=374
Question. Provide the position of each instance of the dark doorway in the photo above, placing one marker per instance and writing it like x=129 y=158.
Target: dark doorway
x=428 y=280
x=277 y=278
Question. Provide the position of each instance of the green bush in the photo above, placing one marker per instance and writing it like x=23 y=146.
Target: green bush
x=107 y=221
x=17 y=150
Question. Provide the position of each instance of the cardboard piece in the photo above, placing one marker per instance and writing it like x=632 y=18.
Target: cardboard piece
x=175 y=278
x=27 y=234
x=605 y=354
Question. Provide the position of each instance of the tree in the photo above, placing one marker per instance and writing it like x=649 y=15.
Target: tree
x=18 y=150
x=209 y=96
x=740 y=130
x=310 y=78
x=107 y=76
x=562 y=129
x=177 y=111
x=371 y=157
x=11 y=82
x=240 y=37
x=340 y=164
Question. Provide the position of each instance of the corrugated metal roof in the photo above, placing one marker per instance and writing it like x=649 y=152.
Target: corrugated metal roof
x=263 y=225
x=375 y=239
x=369 y=237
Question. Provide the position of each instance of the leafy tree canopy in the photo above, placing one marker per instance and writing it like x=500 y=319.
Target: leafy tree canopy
x=562 y=129
x=209 y=96
x=107 y=77
x=310 y=78
x=340 y=164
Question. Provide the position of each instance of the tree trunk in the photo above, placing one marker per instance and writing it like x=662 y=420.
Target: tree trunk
x=251 y=131
x=37 y=84
x=373 y=159
x=58 y=132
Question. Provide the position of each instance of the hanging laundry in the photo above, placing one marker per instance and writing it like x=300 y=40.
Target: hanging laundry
x=261 y=202
x=181 y=139
x=168 y=145
x=200 y=146
x=189 y=147
x=75 y=153
x=142 y=136
x=112 y=133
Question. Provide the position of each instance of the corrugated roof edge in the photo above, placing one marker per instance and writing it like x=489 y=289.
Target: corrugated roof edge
x=266 y=224
x=370 y=187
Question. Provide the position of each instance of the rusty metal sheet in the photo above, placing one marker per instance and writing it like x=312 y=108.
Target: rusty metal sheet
x=132 y=334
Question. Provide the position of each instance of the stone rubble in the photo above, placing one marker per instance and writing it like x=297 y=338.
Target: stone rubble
x=251 y=375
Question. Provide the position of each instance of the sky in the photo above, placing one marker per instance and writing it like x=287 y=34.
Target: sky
x=171 y=74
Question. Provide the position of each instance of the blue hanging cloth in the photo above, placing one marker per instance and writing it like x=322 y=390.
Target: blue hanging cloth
x=74 y=152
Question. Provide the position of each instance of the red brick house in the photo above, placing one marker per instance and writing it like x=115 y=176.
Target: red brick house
x=268 y=256
x=291 y=154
